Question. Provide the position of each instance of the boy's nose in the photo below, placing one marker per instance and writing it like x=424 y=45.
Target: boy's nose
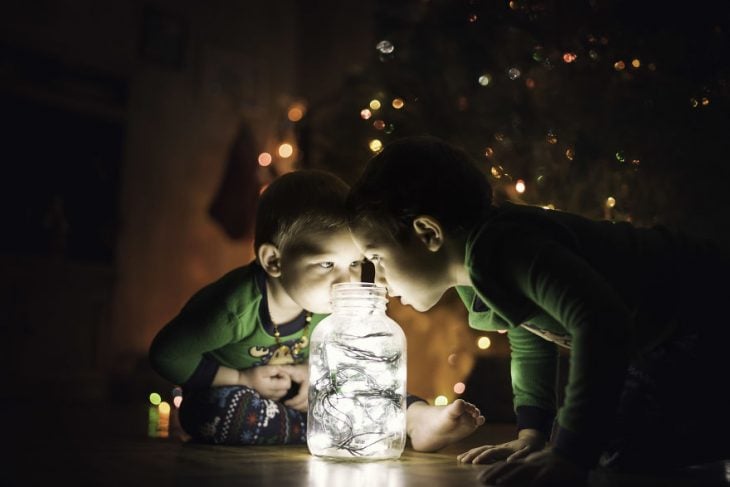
x=344 y=276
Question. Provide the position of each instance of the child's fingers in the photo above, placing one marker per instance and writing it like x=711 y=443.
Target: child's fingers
x=468 y=456
x=298 y=402
x=492 y=455
x=521 y=453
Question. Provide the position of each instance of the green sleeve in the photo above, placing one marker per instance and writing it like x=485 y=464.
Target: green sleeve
x=203 y=325
x=568 y=289
x=523 y=266
x=534 y=369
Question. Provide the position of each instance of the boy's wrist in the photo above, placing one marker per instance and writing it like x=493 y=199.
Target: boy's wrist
x=532 y=435
x=535 y=418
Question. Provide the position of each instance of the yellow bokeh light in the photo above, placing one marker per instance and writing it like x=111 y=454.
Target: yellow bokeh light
x=636 y=63
x=286 y=150
x=265 y=159
x=155 y=398
x=441 y=401
x=610 y=202
x=164 y=407
x=520 y=186
x=459 y=388
x=619 y=65
x=375 y=145
x=484 y=343
x=398 y=103
x=374 y=104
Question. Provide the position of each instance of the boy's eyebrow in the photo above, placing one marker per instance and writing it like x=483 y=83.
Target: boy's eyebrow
x=309 y=249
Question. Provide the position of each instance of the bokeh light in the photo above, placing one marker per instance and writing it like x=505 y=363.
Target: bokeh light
x=485 y=79
x=484 y=343
x=286 y=150
x=265 y=159
x=441 y=401
x=296 y=112
x=155 y=398
x=375 y=145
x=520 y=186
x=164 y=407
x=385 y=47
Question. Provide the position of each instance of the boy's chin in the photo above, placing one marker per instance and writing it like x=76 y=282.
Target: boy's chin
x=322 y=309
x=419 y=307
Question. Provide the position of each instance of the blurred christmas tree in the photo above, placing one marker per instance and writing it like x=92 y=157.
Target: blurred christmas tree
x=609 y=109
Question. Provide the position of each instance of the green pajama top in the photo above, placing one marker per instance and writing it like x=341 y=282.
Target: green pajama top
x=226 y=323
x=608 y=291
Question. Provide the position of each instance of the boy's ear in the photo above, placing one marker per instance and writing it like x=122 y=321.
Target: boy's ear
x=428 y=230
x=269 y=258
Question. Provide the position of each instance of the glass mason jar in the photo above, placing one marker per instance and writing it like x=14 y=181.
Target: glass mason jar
x=357 y=378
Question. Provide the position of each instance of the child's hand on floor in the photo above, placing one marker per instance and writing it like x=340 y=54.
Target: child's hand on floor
x=270 y=381
x=299 y=374
x=543 y=468
x=528 y=441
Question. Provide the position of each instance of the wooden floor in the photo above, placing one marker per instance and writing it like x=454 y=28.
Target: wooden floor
x=99 y=445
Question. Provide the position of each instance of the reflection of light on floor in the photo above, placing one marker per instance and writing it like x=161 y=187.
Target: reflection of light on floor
x=727 y=471
x=326 y=473
x=158 y=420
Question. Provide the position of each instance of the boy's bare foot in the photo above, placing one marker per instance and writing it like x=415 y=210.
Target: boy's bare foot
x=434 y=427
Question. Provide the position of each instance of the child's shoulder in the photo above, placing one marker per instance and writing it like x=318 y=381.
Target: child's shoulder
x=239 y=285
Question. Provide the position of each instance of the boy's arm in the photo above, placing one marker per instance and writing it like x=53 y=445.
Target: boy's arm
x=226 y=376
x=533 y=367
x=177 y=351
x=568 y=289
x=533 y=269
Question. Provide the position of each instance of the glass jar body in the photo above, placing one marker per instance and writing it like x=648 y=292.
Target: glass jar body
x=357 y=379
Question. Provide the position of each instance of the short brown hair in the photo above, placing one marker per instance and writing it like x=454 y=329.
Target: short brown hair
x=307 y=199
